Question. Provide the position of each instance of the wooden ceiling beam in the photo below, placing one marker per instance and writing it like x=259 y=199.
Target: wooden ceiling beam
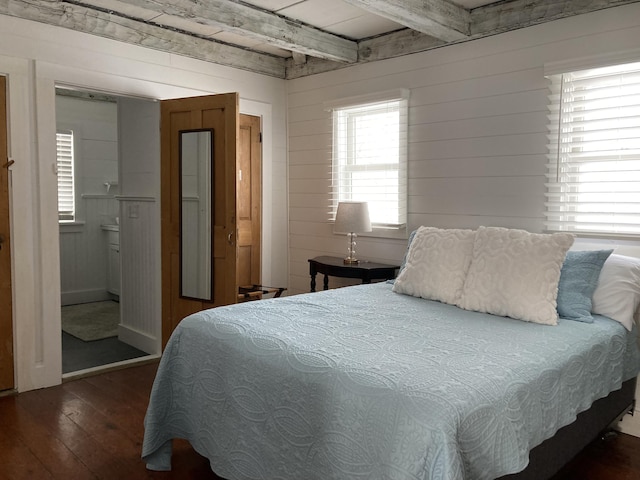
x=250 y=22
x=437 y=18
x=139 y=22
x=402 y=42
x=104 y=24
x=488 y=20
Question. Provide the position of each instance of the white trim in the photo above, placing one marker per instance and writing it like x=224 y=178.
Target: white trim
x=109 y=367
x=71 y=227
x=140 y=340
x=98 y=195
x=24 y=277
x=592 y=61
x=370 y=98
x=84 y=296
x=125 y=198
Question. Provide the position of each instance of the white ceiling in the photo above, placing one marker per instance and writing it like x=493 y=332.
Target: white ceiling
x=292 y=38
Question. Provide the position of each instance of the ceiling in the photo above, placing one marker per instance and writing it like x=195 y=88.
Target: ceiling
x=294 y=38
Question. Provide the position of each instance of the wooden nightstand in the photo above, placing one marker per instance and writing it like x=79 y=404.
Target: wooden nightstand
x=335 y=267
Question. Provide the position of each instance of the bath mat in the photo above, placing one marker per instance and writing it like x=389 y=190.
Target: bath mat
x=91 y=321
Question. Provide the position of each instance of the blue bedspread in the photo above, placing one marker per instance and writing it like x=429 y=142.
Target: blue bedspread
x=364 y=383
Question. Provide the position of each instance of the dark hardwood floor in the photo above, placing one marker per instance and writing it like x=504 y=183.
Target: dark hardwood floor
x=91 y=428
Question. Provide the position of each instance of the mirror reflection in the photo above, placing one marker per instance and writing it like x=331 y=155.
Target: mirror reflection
x=196 y=161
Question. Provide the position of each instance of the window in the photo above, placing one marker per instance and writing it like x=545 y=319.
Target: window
x=594 y=151
x=369 y=157
x=64 y=163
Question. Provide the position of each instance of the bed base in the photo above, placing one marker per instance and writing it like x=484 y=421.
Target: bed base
x=550 y=456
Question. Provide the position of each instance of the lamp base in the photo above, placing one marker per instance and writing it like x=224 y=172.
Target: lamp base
x=351 y=251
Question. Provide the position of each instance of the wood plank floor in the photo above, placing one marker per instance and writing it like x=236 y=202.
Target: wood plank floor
x=91 y=428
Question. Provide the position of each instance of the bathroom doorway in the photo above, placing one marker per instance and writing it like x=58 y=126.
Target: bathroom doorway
x=89 y=226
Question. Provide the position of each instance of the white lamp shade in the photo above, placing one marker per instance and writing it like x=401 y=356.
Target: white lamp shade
x=352 y=217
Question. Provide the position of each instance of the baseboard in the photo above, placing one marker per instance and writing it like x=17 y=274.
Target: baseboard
x=84 y=296
x=90 y=372
x=142 y=341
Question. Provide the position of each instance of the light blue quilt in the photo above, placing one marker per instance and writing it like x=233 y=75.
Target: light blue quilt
x=364 y=383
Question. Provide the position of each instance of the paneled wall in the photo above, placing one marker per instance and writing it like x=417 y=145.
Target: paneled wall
x=477 y=131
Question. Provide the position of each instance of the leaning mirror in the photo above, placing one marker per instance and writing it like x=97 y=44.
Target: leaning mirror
x=196 y=184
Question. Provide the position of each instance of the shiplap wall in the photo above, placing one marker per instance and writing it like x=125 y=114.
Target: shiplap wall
x=477 y=132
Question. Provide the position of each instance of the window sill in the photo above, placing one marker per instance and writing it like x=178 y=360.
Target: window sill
x=400 y=233
x=71 y=227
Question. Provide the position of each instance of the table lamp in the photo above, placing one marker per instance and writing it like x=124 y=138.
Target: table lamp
x=352 y=218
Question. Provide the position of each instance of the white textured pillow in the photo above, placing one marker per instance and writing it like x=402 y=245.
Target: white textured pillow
x=437 y=263
x=618 y=292
x=515 y=273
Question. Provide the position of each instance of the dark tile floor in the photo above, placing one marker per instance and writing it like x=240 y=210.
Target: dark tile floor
x=78 y=355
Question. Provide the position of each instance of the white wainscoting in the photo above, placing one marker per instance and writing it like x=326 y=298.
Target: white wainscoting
x=140 y=323
x=83 y=252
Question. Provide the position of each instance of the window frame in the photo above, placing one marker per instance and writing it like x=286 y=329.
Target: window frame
x=344 y=164
x=72 y=215
x=573 y=155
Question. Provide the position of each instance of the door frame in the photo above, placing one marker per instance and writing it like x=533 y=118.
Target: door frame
x=37 y=352
x=7 y=363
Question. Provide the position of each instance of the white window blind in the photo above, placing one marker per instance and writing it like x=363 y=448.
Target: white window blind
x=370 y=161
x=66 y=195
x=594 y=151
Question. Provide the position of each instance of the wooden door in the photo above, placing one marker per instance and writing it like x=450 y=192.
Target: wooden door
x=6 y=303
x=249 y=202
x=219 y=113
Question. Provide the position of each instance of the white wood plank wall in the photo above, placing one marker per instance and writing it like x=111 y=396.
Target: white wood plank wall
x=477 y=132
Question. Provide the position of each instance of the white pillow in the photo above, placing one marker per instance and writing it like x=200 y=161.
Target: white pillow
x=437 y=263
x=515 y=273
x=618 y=292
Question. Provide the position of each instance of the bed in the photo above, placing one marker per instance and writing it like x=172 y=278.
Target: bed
x=375 y=381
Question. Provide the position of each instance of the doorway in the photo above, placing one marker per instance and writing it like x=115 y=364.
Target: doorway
x=89 y=225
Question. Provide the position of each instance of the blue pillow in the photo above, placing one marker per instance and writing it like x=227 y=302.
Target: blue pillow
x=404 y=259
x=578 y=280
